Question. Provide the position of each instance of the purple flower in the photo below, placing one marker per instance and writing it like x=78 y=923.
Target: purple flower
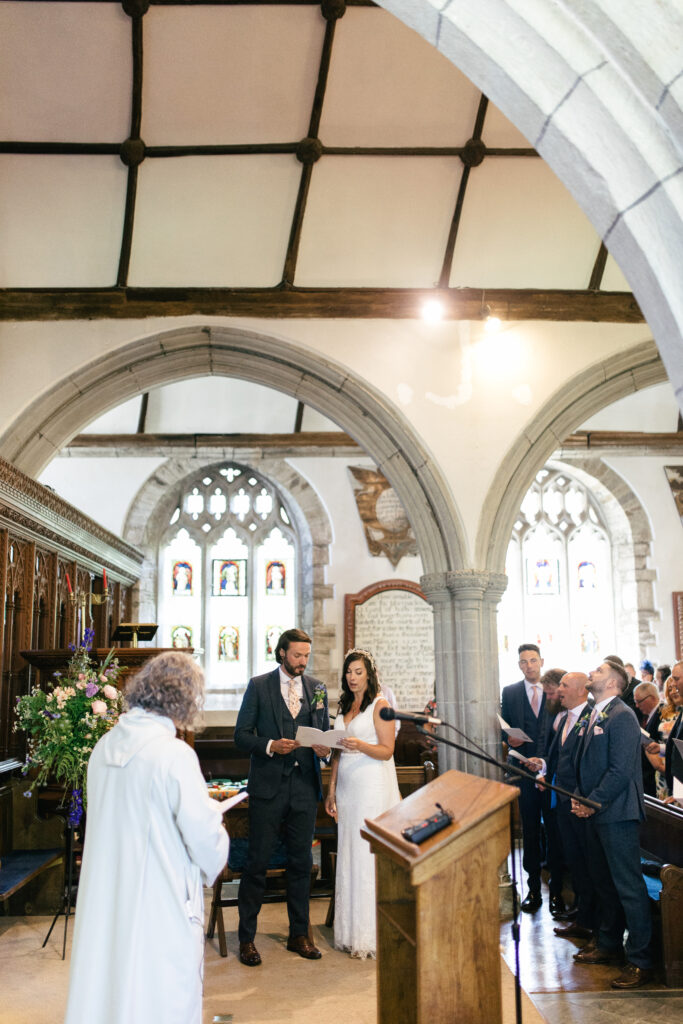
x=27 y=794
x=75 y=808
x=57 y=675
x=91 y=689
x=88 y=638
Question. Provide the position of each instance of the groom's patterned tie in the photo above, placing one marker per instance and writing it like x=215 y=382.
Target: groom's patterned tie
x=293 y=700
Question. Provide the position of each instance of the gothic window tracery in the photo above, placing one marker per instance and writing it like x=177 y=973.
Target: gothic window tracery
x=227 y=577
x=560 y=590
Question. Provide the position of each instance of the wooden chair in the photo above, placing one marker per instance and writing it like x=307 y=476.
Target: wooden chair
x=238 y=830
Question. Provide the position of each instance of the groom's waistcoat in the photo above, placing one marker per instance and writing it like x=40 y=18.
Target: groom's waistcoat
x=303 y=756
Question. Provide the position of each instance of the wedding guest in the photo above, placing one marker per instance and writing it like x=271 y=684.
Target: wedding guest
x=153 y=836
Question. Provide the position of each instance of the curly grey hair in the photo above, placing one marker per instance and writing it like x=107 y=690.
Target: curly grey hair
x=171 y=684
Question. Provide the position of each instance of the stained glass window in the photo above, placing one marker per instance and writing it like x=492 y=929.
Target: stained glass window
x=560 y=593
x=228 y=578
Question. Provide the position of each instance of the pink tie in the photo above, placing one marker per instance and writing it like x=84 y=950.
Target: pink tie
x=567 y=726
x=535 y=701
x=293 y=701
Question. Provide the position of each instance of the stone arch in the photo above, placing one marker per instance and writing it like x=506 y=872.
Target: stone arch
x=375 y=423
x=155 y=501
x=631 y=540
x=594 y=87
x=577 y=399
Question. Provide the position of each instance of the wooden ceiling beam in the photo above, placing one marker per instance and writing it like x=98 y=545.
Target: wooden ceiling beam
x=631 y=441
x=307 y=442
x=342 y=303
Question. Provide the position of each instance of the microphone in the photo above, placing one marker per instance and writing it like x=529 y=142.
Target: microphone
x=388 y=715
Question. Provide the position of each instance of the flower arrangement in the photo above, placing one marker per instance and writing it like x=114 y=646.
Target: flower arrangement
x=64 y=724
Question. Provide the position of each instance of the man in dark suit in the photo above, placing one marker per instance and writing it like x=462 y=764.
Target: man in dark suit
x=646 y=697
x=522 y=705
x=284 y=788
x=608 y=770
x=557 y=764
x=673 y=762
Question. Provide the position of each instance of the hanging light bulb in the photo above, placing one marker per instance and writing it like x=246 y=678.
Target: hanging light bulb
x=432 y=311
x=492 y=324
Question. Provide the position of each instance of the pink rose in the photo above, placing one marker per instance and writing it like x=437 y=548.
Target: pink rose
x=99 y=707
x=81 y=676
x=110 y=692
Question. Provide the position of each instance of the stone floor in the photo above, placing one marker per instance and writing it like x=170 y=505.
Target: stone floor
x=284 y=990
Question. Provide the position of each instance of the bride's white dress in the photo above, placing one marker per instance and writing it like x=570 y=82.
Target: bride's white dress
x=365 y=788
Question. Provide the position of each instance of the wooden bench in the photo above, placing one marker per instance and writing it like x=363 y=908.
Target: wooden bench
x=30 y=846
x=661 y=839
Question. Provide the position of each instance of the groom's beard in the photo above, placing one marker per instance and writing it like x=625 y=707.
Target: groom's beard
x=292 y=670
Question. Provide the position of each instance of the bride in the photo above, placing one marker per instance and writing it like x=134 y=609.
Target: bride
x=362 y=785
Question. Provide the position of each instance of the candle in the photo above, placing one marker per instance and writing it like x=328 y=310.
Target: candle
x=68 y=583
x=104 y=578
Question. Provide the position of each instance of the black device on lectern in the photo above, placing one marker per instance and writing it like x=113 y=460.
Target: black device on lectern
x=426 y=828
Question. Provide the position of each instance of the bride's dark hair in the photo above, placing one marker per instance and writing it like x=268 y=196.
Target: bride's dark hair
x=346 y=699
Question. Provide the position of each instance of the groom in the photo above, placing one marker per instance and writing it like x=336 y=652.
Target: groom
x=284 y=788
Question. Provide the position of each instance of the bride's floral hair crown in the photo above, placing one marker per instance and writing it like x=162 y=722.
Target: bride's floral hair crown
x=360 y=653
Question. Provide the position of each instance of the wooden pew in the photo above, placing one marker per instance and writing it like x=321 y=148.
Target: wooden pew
x=31 y=849
x=661 y=839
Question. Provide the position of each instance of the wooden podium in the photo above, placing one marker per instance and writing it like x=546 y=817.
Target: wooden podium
x=438 y=928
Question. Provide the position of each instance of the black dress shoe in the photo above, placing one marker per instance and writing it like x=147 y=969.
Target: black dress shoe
x=249 y=954
x=532 y=903
x=302 y=945
x=556 y=905
x=633 y=977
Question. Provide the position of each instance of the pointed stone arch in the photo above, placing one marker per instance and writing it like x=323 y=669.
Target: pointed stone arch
x=360 y=409
x=564 y=411
x=595 y=89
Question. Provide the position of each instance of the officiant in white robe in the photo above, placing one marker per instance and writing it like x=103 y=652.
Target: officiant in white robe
x=153 y=836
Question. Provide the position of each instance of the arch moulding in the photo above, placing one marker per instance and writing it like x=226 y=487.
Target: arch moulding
x=382 y=431
x=572 y=404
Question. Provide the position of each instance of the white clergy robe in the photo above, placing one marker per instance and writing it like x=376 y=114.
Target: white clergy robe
x=153 y=835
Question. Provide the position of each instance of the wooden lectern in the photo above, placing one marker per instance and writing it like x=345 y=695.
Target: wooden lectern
x=438 y=928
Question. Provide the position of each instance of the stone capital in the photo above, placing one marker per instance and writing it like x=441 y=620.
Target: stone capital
x=435 y=587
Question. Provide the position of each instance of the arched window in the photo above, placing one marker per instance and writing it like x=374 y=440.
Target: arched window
x=560 y=593
x=228 y=578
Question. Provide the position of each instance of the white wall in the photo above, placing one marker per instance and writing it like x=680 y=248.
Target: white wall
x=645 y=475
x=351 y=567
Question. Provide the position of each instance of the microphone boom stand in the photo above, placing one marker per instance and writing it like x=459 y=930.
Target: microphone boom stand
x=521 y=773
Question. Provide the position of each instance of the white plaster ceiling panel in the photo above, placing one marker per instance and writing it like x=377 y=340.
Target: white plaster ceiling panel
x=377 y=221
x=388 y=87
x=612 y=279
x=499 y=132
x=520 y=228
x=219 y=405
x=65 y=72
x=122 y=419
x=61 y=219
x=217 y=220
x=653 y=409
x=229 y=75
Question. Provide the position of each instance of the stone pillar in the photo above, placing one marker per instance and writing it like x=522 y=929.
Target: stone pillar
x=466 y=655
x=435 y=588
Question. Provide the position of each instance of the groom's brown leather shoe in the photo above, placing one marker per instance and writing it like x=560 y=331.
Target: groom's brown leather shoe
x=249 y=954
x=302 y=945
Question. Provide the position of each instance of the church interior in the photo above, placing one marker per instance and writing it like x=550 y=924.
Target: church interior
x=361 y=317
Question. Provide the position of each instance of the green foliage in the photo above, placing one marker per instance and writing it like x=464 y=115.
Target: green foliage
x=64 y=723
